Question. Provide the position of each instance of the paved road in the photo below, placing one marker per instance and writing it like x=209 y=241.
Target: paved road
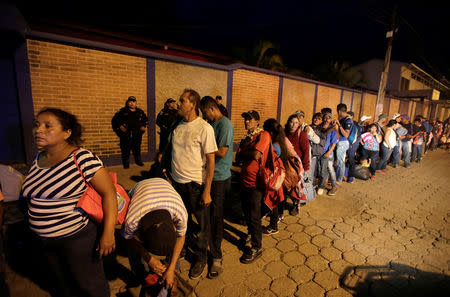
x=384 y=237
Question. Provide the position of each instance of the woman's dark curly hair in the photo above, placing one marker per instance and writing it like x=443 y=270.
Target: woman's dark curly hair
x=68 y=122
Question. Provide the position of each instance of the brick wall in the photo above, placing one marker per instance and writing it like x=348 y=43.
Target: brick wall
x=328 y=97
x=394 y=107
x=91 y=84
x=172 y=78
x=356 y=107
x=297 y=95
x=369 y=104
x=253 y=91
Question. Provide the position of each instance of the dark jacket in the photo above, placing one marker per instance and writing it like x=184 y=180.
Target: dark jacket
x=166 y=120
x=132 y=121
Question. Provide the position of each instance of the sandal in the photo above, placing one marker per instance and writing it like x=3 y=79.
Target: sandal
x=216 y=268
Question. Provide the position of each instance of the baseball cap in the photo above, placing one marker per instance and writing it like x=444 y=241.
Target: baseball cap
x=158 y=232
x=170 y=100
x=364 y=118
x=300 y=113
x=382 y=116
x=131 y=98
x=251 y=114
x=395 y=116
x=351 y=113
x=405 y=116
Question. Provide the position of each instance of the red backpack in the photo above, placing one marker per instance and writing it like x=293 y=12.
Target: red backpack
x=272 y=174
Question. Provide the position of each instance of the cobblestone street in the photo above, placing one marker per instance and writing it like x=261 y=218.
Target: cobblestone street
x=384 y=237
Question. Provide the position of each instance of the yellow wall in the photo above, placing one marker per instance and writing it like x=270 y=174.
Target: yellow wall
x=394 y=107
x=369 y=104
x=297 y=95
x=328 y=97
x=172 y=78
x=253 y=91
x=356 y=105
x=347 y=99
x=89 y=83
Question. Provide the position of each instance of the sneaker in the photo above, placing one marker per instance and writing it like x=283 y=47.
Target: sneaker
x=395 y=166
x=280 y=217
x=332 y=192
x=197 y=269
x=384 y=170
x=269 y=230
x=294 y=210
x=320 y=191
x=216 y=268
x=139 y=163
x=250 y=255
x=351 y=180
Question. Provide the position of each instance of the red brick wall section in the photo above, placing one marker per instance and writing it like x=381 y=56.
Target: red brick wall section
x=253 y=91
x=91 y=84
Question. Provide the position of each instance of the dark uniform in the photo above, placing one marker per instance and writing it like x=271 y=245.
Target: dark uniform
x=166 y=120
x=132 y=137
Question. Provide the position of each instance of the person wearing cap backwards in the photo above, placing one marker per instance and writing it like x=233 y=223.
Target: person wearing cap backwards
x=156 y=223
x=221 y=184
x=166 y=120
x=130 y=123
x=192 y=171
x=406 y=141
x=253 y=150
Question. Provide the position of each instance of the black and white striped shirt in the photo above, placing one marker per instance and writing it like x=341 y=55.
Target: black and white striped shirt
x=53 y=192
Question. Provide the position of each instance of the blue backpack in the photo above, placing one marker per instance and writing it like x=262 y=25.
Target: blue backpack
x=353 y=136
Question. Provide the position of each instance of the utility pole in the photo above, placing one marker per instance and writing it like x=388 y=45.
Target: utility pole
x=387 y=62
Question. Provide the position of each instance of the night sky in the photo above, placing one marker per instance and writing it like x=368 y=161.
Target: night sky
x=308 y=32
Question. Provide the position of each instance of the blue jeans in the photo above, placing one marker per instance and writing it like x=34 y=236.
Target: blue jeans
x=385 y=154
x=327 y=170
x=416 y=150
x=311 y=173
x=396 y=153
x=341 y=150
x=406 y=154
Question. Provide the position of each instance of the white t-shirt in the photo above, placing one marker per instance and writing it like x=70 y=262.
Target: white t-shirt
x=392 y=139
x=191 y=142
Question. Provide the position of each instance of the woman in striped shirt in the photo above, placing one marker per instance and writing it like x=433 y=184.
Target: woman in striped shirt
x=52 y=189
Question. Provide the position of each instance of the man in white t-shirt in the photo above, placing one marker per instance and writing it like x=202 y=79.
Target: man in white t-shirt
x=192 y=170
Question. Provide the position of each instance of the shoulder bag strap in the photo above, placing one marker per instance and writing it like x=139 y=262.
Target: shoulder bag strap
x=78 y=167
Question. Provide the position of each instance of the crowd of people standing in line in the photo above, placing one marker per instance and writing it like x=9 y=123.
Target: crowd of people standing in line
x=193 y=179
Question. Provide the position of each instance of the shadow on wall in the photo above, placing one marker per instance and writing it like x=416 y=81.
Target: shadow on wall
x=394 y=280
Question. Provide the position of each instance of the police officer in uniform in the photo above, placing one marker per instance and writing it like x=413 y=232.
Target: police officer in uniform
x=166 y=120
x=130 y=123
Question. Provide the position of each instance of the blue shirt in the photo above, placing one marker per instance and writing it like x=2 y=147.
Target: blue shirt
x=331 y=138
x=428 y=127
x=346 y=124
x=224 y=132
